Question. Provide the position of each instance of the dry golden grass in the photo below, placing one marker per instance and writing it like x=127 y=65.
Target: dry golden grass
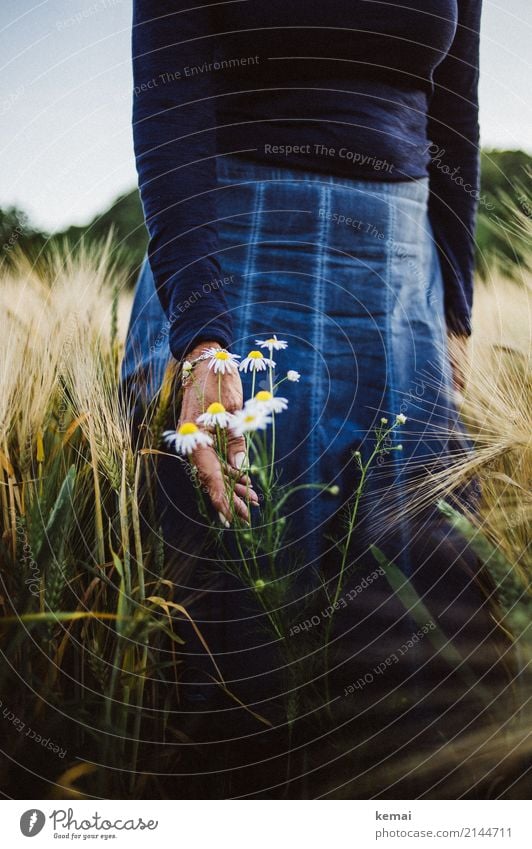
x=48 y=322
x=498 y=412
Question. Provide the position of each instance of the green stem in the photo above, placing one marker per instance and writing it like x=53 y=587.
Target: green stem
x=139 y=701
x=297 y=488
x=124 y=525
x=381 y=436
x=272 y=458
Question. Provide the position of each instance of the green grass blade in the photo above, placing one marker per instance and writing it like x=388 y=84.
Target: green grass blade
x=58 y=522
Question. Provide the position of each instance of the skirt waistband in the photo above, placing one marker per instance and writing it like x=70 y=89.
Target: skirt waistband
x=237 y=167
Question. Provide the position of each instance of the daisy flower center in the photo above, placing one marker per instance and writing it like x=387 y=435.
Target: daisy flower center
x=263 y=395
x=216 y=407
x=248 y=419
x=187 y=428
x=255 y=355
x=221 y=355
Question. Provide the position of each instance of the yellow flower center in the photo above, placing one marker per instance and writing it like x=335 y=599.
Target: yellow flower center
x=216 y=407
x=271 y=341
x=187 y=428
x=263 y=396
x=255 y=355
x=221 y=355
x=248 y=419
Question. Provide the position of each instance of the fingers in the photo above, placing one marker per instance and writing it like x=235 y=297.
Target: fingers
x=243 y=486
x=229 y=490
x=241 y=508
x=211 y=476
x=236 y=451
x=246 y=492
x=458 y=377
x=236 y=475
x=458 y=348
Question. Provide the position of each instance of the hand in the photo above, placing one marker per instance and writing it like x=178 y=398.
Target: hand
x=459 y=356
x=201 y=390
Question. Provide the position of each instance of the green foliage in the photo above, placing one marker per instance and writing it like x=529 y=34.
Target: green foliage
x=123 y=218
x=504 y=191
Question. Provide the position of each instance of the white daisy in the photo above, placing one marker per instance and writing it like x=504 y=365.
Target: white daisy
x=271 y=403
x=187 y=438
x=250 y=419
x=256 y=361
x=293 y=376
x=187 y=367
x=273 y=344
x=400 y=419
x=221 y=361
x=215 y=414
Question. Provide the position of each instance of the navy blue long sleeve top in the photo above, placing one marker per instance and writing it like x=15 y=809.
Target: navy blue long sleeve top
x=390 y=88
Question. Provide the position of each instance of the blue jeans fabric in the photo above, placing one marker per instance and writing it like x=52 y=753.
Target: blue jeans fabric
x=346 y=272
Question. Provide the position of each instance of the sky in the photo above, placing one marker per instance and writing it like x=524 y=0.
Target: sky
x=65 y=103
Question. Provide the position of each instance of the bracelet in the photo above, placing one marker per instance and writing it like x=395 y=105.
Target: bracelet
x=188 y=366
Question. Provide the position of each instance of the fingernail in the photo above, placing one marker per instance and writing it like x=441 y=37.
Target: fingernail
x=239 y=459
x=223 y=520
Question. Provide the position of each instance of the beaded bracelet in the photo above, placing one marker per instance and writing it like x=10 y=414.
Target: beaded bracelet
x=188 y=366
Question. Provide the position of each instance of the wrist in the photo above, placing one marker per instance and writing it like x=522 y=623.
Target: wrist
x=196 y=358
x=198 y=349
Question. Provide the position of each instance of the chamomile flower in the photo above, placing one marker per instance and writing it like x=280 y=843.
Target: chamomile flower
x=256 y=361
x=400 y=419
x=250 y=419
x=271 y=403
x=221 y=361
x=187 y=438
x=187 y=367
x=273 y=344
x=293 y=376
x=215 y=414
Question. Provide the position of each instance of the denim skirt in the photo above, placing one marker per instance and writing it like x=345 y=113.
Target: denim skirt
x=348 y=274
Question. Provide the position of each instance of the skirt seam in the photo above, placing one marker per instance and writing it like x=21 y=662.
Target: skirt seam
x=251 y=253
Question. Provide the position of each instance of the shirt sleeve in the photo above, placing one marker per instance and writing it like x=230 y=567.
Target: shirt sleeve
x=174 y=131
x=453 y=132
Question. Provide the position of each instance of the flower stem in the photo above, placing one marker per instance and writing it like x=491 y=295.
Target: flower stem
x=272 y=457
x=380 y=447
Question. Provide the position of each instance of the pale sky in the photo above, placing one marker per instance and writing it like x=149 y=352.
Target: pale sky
x=65 y=134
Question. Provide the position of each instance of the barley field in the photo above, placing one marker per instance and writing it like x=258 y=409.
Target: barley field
x=91 y=624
